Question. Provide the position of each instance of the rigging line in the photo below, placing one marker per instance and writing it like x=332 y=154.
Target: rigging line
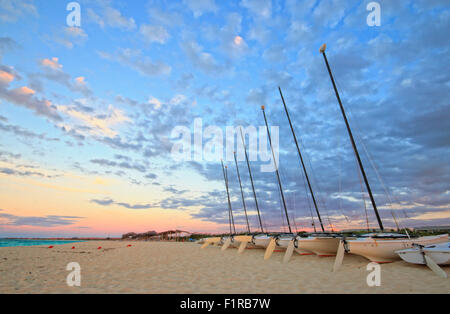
x=295 y=216
x=288 y=192
x=281 y=214
x=386 y=189
x=363 y=197
x=340 y=184
x=355 y=149
x=372 y=163
x=242 y=192
x=229 y=201
x=316 y=181
x=357 y=128
x=276 y=169
x=301 y=158
x=251 y=180
x=228 y=196
x=313 y=224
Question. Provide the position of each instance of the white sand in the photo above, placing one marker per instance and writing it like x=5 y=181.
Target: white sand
x=168 y=267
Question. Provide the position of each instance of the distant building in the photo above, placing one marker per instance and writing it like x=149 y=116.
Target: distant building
x=433 y=229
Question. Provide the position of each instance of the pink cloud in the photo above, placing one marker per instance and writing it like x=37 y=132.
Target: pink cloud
x=52 y=63
x=5 y=77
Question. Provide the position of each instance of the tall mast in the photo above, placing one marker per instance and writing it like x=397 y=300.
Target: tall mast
x=230 y=210
x=242 y=192
x=276 y=169
x=301 y=159
x=251 y=180
x=355 y=149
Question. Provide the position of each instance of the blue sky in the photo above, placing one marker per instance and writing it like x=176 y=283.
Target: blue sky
x=88 y=111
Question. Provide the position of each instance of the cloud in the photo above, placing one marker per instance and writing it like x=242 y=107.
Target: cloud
x=153 y=33
x=19 y=131
x=6 y=77
x=98 y=124
x=257 y=96
x=200 y=7
x=24 y=97
x=75 y=32
x=260 y=8
x=71 y=36
x=11 y=10
x=155 y=102
x=10 y=155
x=122 y=164
x=7 y=44
x=35 y=221
x=13 y=172
x=52 y=63
x=111 y=17
x=53 y=71
x=134 y=59
x=200 y=59
x=109 y=202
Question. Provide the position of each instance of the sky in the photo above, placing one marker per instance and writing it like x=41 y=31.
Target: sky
x=88 y=113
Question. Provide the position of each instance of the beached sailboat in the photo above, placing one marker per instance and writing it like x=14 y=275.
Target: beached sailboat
x=431 y=255
x=225 y=241
x=322 y=244
x=260 y=240
x=281 y=241
x=242 y=241
x=439 y=253
x=382 y=247
x=228 y=240
x=377 y=247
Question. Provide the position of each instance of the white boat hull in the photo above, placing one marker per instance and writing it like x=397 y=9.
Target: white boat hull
x=383 y=250
x=233 y=244
x=261 y=242
x=321 y=246
x=236 y=243
x=439 y=253
x=283 y=243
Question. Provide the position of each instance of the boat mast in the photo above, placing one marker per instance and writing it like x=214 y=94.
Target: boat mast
x=242 y=192
x=230 y=210
x=251 y=180
x=301 y=159
x=355 y=149
x=276 y=170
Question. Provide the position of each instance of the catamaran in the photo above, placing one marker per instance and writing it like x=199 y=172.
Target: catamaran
x=439 y=253
x=431 y=255
x=225 y=241
x=321 y=244
x=242 y=241
x=260 y=240
x=377 y=247
x=284 y=241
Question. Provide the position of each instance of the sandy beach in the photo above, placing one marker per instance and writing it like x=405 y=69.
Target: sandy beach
x=170 y=267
